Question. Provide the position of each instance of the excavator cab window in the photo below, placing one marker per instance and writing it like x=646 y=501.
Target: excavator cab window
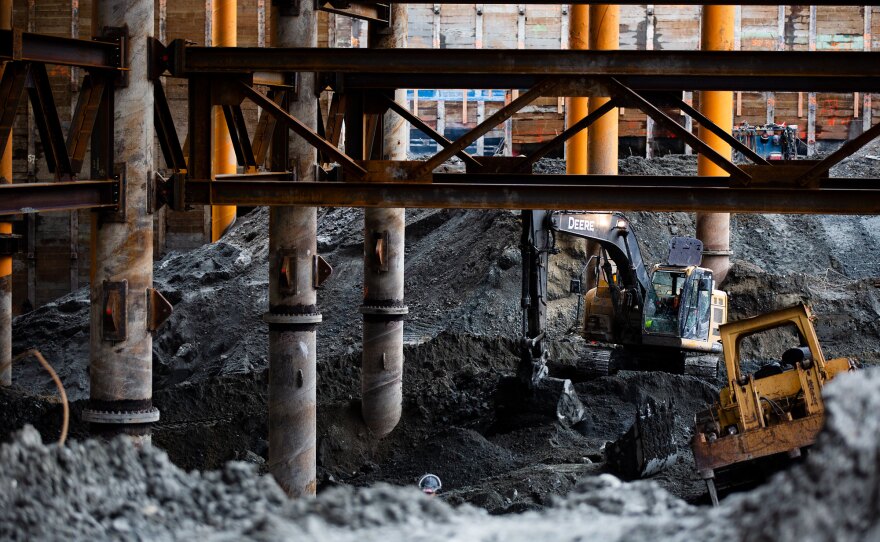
x=662 y=306
x=696 y=304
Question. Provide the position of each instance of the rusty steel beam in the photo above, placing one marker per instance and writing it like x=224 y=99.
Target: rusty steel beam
x=61 y=196
x=703 y=121
x=48 y=124
x=265 y=127
x=80 y=132
x=430 y=132
x=367 y=11
x=635 y=2
x=541 y=89
x=368 y=80
x=188 y=60
x=568 y=133
x=302 y=130
x=662 y=118
x=543 y=194
x=11 y=89
x=169 y=142
x=29 y=47
x=849 y=148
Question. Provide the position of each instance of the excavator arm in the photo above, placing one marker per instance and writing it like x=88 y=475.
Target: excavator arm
x=539 y=228
x=536 y=245
x=613 y=233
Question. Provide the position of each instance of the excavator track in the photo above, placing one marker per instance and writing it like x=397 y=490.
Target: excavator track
x=596 y=362
x=703 y=366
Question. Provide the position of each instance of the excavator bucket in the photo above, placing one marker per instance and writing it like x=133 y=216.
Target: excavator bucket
x=648 y=446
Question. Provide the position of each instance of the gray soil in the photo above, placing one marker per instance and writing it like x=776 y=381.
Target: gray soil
x=462 y=288
x=112 y=491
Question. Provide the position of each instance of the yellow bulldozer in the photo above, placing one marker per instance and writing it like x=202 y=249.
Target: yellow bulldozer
x=773 y=413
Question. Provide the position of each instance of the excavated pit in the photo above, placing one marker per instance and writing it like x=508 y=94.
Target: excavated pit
x=462 y=287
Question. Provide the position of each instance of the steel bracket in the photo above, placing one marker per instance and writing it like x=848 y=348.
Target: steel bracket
x=113 y=310
x=321 y=271
x=118 y=35
x=367 y=11
x=158 y=310
x=116 y=214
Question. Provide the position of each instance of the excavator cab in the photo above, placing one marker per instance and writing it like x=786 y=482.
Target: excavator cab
x=682 y=305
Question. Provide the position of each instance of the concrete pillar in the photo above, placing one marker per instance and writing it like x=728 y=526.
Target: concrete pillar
x=293 y=315
x=224 y=33
x=577 y=108
x=6 y=229
x=602 y=138
x=383 y=307
x=714 y=228
x=121 y=347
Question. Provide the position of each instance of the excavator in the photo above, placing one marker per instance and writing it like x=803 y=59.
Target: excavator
x=667 y=319
x=663 y=320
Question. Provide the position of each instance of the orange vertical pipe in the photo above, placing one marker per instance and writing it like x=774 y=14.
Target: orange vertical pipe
x=577 y=108
x=602 y=139
x=224 y=33
x=6 y=159
x=714 y=228
x=6 y=228
x=602 y=146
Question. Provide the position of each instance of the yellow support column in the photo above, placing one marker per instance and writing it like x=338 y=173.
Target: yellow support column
x=224 y=33
x=577 y=108
x=602 y=140
x=714 y=228
x=602 y=146
x=6 y=228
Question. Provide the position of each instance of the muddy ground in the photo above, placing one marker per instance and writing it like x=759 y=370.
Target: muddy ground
x=462 y=288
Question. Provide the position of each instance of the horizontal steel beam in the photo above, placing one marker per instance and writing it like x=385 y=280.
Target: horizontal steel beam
x=537 y=196
x=187 y=59
x=62 y=196
x=29 y=47
x=637 y=2
x=717 y=81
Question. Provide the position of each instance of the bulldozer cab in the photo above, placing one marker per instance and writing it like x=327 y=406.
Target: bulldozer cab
x=797 y=318
x=682 y=303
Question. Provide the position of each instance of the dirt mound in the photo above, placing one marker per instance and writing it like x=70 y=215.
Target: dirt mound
x=846 y=309
x=112 y=491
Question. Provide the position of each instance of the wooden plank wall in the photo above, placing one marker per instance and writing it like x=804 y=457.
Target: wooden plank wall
x=674 y=27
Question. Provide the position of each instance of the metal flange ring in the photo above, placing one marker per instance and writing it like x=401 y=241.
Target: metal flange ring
x=366 y=309
x=121 y=417
x=295 y=319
